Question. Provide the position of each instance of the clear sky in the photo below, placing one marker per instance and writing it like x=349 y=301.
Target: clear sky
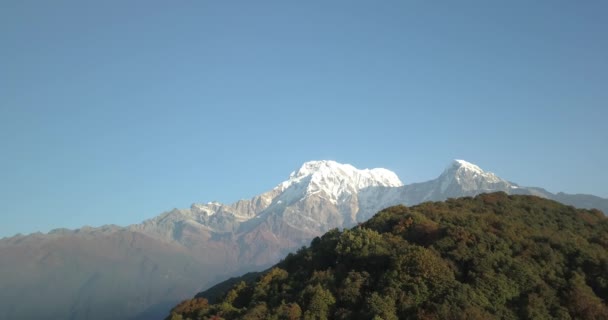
x=115 y=111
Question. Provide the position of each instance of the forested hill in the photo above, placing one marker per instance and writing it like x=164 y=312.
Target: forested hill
x=494 y=256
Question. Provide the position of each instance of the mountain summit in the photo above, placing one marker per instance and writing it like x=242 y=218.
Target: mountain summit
x=461 y=167
x=460 y=178
x=334 y=181
x=329 y=170
x=464 y=177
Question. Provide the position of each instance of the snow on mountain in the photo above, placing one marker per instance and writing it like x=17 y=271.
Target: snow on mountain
x=333 y=180
x=326 y=169
x=460 y=178
x=191 y=247
x=468 y=176
x=325 y=194
x=319 y=195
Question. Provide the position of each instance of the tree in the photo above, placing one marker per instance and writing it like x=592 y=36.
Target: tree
x=320 y=303
x=380 y=306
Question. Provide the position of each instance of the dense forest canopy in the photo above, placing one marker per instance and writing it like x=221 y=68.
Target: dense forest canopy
x=493 y=256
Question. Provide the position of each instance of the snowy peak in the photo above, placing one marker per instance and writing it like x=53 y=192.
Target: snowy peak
x=468 y=176
x=329 y=167
x=335 y=179
x=329 y=172
x=464 y=169
x=312 y=167
x=464 y=165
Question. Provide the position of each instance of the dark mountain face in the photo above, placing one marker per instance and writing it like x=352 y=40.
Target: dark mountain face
x=122 y=273
x=494 y=256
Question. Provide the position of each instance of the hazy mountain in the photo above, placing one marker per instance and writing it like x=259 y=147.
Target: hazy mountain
x=136 y=271
x=97 y=273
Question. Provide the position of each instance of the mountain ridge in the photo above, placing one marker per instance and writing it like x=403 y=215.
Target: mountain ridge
x=478 y=180
x=223 y=239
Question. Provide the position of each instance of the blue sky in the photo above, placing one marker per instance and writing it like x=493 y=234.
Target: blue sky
x=114 y=111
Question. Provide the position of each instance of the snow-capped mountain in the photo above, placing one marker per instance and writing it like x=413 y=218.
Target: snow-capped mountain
x=128 y=272
x=462 y=178
x=320 y=195
x=459 y=179
x=326 y=194
x=334 y=180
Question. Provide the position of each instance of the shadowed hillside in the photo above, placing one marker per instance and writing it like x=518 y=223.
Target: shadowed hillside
x=494 y=256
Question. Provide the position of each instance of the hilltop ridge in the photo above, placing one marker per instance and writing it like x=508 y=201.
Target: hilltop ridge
x=495 y=256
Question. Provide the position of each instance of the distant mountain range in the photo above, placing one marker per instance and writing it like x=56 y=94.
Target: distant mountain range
x=140 y=271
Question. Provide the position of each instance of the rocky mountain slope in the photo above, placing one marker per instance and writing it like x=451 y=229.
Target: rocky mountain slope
x=140 y=268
